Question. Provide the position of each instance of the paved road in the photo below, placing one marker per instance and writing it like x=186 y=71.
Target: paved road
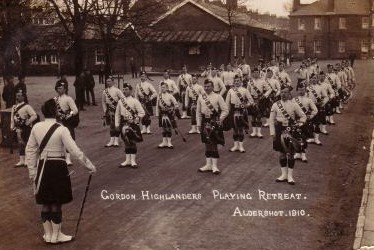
x=329 y=188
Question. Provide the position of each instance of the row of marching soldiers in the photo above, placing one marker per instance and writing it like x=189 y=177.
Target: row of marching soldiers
x=225 y=102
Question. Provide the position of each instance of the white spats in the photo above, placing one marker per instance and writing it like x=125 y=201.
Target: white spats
x=235 y=147
x=283 y=176
x=126 y=162
x=115 y=142
x=21 y=162
x=47 y=226
x=57 y=236
x=110 y=143
x=207 y=167
x=215 y=169
x=290 y=179
x=164 y=143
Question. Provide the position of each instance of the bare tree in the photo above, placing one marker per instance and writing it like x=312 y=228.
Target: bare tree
x=15 y=26
x=74 y=16
x=112 y=17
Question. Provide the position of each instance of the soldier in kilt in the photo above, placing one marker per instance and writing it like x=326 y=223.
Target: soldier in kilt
x=193 y=92
x=260 y=92
x=129 y=111
x=210 y=112
x=310 y=110
x=238 y=100
x=146 y=94
x=282 y=117
x=67 y=111
x=274 y=85
x=184 y=80
x=316 y=93
x=109 y=100
x=22 y=119
x=45 y=157
x=166 y=110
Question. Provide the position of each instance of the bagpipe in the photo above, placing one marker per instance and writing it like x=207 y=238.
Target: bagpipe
x=238 y=117
x=212 y=131
x=260 y=106
x=292 y=138
x=344 y=94
x=69 y=120
x=130 y=131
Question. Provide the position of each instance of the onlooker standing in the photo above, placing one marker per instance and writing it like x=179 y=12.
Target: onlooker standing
x=134 y=71
x=89 y=87
x=21 y=85
x=79 y=85
x=101 y=73
x=9 y=92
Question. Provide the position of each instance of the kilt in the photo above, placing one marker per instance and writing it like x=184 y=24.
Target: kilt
x=55 y=185
x=330 y=108
x=238 y=117
x=132 y=134
x=171 y=117
x=191 y=103
x=148 y=108
x=209 y=134
x=25 y=133
x=277 y=143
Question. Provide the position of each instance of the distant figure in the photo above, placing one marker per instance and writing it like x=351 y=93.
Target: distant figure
x=352 y=58
x=134 y=71
x=79 y=85
x=101 y=73
x=21 y=85
x=9 y=92
x=89 y=87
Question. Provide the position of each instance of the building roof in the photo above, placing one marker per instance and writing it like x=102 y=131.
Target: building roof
x=186 y=36
x=218 y=12
x=341 y=7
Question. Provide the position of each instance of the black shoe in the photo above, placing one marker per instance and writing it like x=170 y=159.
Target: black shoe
x=291 y=182
x=277 y=180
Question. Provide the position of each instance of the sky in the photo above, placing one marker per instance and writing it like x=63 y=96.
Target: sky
x=272 y=6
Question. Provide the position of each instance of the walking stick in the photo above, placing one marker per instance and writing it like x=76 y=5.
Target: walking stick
x=180 y=134
x=82 y=206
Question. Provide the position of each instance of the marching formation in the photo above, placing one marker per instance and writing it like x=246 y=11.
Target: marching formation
x=234 y=98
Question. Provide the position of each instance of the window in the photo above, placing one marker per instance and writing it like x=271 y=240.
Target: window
x=365 y=22
x=317 y=46
x=317 y=23
x=242 y=46
x=372 y=43
x=99 y=56
x=301 y=24
x=194 y=50
x=301 y=47
x=372 y=20
x=34 y=60
x=365 y=46
x=235 y=45
x=341 y=46
x=342 y=23
x=54 y=59
x=43 y=59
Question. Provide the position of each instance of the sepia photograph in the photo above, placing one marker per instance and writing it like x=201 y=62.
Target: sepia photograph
x=187 y=124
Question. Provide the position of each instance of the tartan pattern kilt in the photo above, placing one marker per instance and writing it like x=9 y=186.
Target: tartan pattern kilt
x=55 y=184
x=210 y=135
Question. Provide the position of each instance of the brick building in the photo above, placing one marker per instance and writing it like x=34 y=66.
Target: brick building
x=332 y=29
x=198 y=33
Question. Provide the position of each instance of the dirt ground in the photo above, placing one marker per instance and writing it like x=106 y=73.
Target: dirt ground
x=329 y=188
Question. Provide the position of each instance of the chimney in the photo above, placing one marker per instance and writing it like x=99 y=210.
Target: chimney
x=330 y=5
x=296 y=5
